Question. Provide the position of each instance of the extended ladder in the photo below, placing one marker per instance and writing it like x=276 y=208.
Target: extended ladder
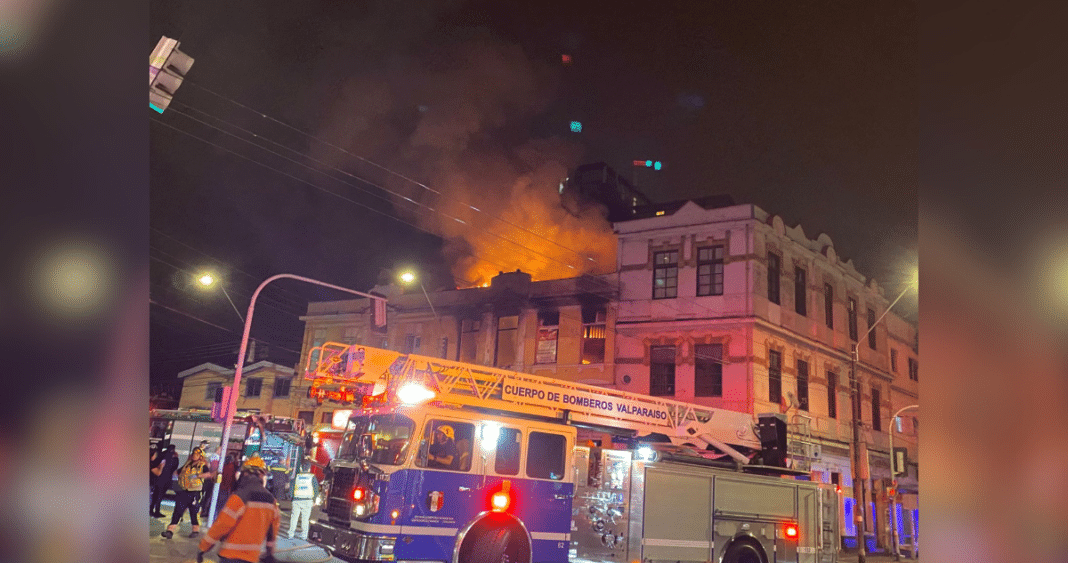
x=466 y=384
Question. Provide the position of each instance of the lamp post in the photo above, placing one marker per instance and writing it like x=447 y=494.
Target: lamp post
x=208 y=280
x=854 y=383
x=893 y=472
x=231 y=405
x=408 y=277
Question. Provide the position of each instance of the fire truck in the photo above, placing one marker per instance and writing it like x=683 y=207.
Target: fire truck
x=277 y=439
x=457 y=463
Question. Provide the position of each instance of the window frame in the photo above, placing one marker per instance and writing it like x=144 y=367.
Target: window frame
x=715 y=387
x=828 y=305
x=541 y=458
x=914 y=369
x=660 y=391
x=422 y=459
x=519 y=453
x=832 y=394
x=289 y=387
x=547 y=332
x=211 y=390
x=714 y=278
x=774 y=277
x=853 y=311
x=871 y=328
x=259 y=387
x=594 y=321
x=665 y=268
x=800 y=291
x=802 y=385
x=893 y=360
x=876 y=410
x=512 y=333
x=774 y=375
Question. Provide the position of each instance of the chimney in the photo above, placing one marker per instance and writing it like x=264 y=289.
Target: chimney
x=517 y=283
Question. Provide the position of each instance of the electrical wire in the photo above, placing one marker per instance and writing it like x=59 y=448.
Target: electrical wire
x=403 y=197
x=376 y=165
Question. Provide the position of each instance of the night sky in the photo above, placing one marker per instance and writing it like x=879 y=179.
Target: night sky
x=807 y=111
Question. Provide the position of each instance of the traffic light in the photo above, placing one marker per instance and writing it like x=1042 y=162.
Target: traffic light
x=654 y=164
x=167 y=67
x=576 y=126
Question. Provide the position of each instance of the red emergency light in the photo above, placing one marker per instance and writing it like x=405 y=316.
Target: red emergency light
x=791 y=531
x=359 y=493
x=501 y=500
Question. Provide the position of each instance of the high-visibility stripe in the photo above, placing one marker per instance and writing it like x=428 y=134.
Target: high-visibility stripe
x=676 y=543
x=235 y=515
x=242 y=546
x=264 y=505
x=428 y=531
x=550 y=536
x=209 y=539
x=376 y=528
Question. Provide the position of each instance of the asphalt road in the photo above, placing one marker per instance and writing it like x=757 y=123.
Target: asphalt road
x=182 y=549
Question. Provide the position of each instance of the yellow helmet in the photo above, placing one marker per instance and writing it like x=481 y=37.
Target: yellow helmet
x=255 y=464
x=447 y=431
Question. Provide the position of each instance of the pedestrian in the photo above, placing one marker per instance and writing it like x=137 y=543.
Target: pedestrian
x=190 y=484
x=209 y=485
x=305 y=490
x=226 y=482
x=167 y=466
x=248 y=523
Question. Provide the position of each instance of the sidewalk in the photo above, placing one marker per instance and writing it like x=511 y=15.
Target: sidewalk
x=183 y=549
x=851 y=557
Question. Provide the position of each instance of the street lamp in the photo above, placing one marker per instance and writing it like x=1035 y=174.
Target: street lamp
x=407 y=277
x=208 y=280
x=893 y=457
x=231 y=405
x=854 y=383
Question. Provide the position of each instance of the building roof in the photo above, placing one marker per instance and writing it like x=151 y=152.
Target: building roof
x=208 y=366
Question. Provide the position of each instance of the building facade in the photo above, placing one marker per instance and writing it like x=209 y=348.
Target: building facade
x=711 y=303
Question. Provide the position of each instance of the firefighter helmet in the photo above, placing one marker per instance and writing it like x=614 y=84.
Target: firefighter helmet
x=447 y=431
x=254 y=464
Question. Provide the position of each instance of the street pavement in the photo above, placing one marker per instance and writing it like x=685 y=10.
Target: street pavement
x=182 y=549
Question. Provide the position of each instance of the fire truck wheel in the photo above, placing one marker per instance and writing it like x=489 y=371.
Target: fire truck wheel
x=743 y=552
x=490 y=541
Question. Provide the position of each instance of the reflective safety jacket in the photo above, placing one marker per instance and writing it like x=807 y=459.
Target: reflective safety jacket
x=305 y=486
x=247 y=524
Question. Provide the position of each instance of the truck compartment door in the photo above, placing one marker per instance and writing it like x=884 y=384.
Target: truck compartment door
x=677 y=517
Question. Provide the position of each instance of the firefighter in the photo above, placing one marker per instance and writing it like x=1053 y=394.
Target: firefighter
x=250 y=518
x=305 y=490
x=443 y=450
x=190 y=484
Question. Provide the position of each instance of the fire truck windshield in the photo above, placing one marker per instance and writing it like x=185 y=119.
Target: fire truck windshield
x=390 y=433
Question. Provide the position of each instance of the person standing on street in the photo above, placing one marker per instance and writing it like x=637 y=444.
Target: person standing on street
x=190 y=484
x=168 y=465
x=209 y=485
x=226 y=482
x=305 y=489
x=249 y=521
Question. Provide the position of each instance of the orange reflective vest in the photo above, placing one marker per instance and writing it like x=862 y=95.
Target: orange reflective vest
x=248 y=523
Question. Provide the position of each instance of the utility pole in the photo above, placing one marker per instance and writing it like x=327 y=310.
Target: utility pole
x=858 y=483
x=859 y=502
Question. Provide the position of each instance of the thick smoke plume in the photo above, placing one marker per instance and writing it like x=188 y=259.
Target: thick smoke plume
x=458 y=122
